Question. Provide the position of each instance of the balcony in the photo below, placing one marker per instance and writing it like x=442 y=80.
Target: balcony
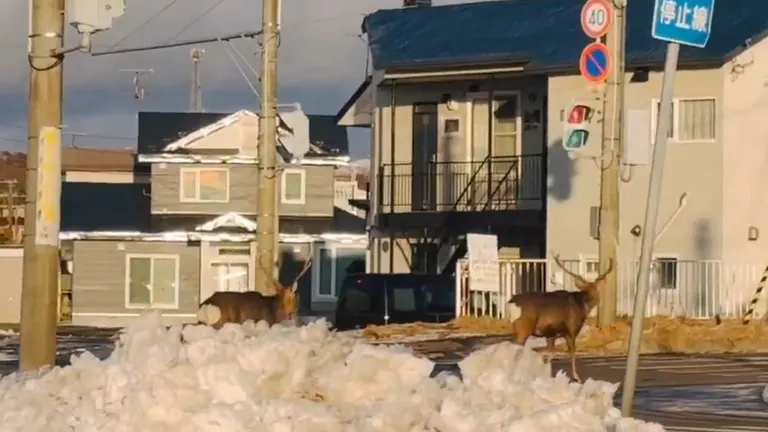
x=501 y=183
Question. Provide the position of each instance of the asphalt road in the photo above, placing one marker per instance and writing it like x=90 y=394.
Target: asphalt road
x=685 y=393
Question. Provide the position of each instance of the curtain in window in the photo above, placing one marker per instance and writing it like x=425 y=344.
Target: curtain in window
x=696 y=119
x=293 y=187
x=139 y=277
x=671 y=130
x=189 y=184
x=164 y=281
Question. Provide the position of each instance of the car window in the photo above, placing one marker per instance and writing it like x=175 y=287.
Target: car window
x=439 y=297
x=404 y=299
x=361 y=295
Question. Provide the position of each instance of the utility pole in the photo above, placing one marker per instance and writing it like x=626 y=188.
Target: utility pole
x=267 y=222
x=613 y=137
x=40 y=289
x=196 y=95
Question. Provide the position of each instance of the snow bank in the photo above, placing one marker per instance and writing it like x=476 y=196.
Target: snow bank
x=306 y=379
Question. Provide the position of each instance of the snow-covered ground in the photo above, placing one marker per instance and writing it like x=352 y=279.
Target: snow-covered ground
x=251 y=378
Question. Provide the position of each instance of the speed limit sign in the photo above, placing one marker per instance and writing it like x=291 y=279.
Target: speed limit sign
x=596 y=18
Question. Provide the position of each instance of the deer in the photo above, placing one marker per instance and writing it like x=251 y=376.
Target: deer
x=556 y=314
x=238 y=307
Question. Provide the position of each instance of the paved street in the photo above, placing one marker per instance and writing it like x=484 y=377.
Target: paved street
x=685 y=393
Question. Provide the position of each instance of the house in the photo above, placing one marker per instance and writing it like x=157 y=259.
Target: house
x=191 y=231
x=100 y=165
x=467 y=130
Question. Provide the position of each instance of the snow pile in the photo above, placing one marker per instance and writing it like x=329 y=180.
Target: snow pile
x=306 y=379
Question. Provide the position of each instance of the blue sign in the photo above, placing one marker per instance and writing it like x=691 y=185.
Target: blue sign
x=595 y=62
x=686 y=22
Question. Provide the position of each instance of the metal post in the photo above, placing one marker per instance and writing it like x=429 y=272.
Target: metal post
x=39 y=297
x=613 y=133
x=649 y=227
x=268 y=222
x=196 y=96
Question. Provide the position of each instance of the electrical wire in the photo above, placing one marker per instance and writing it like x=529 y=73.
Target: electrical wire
x=142 y=25
x=195 y=21
x=242 y=72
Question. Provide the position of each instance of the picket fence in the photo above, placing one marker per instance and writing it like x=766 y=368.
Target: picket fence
x=693 y=289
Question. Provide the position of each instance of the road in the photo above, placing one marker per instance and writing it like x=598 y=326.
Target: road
x=685 y=393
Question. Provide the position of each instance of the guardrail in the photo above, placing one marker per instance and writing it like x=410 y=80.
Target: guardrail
x=694 y=289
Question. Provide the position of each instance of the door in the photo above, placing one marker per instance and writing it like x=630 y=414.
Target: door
x=505 y=149
x=424 y=165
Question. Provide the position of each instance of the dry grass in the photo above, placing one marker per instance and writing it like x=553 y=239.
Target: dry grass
x=660 y=335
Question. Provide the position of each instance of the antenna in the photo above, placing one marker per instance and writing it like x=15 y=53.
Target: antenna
x=138 y=89
x=196 y=93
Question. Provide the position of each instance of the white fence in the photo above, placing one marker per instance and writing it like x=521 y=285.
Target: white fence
x=694 y=289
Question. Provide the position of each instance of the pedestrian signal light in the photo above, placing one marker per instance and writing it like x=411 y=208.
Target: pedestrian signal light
x=575 y=132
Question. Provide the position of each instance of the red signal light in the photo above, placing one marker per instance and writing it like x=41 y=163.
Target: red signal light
x=578 y=114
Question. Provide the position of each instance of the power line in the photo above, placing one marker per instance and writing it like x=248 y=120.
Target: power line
x=142 y=25
x=195 y=21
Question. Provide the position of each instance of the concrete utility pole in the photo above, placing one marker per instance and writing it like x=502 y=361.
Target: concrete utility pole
x=613 y=135
x=196 y=95
x=267 y=222
x=40 y=291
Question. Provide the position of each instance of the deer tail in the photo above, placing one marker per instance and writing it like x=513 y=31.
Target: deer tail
x=208 y=314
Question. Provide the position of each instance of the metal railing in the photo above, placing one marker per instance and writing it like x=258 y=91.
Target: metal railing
x=694 y=289
x=495 y=183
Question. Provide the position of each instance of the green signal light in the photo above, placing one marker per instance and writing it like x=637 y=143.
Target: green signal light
x=576 y=139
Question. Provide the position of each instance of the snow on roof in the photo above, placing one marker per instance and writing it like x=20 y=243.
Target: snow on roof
x=252 y=377
x=230 y=219
x=201 y=133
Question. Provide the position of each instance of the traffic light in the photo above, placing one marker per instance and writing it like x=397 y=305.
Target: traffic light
x=575 y=133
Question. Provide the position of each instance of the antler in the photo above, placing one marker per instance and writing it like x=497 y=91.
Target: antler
x=602 y=276
x=578 y=277
x=307 y=264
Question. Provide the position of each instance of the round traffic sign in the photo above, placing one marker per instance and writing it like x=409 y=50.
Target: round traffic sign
x=595 y=62
x=596 y=18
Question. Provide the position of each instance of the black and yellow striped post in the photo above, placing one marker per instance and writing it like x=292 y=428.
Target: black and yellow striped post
x=755 y=298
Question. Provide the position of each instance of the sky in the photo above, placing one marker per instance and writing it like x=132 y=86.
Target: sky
x=322 y=61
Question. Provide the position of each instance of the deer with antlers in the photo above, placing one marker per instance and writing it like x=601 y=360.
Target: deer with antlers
x=238 y=307
x=556 y=314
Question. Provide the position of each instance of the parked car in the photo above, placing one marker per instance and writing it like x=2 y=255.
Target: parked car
x=378 y=299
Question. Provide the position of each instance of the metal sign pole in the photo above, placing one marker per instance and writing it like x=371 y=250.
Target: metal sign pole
x=649 y=232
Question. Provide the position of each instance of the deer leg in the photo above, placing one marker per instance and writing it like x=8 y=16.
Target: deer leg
x=571 y=342
x=522 y=332
x=550 y=349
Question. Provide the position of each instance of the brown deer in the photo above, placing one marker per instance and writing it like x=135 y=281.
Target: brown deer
x=238 y=307
x=556 y=314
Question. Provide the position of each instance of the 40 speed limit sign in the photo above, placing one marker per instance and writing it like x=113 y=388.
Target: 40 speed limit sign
x=596 y=18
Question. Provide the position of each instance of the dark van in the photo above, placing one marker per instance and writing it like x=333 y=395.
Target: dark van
x=380 y=299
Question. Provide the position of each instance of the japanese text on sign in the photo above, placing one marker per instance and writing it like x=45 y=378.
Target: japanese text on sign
x=684 y=17
x=483 y=251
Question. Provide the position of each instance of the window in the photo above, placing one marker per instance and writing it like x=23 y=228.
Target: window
x=664 y=273
x=152 y=281
x=231 y=276
x=692 y=119
x=294 y=186
x=204 y=185
x=333 y=263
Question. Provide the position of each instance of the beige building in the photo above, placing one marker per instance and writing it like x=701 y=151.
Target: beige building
x=466 y=135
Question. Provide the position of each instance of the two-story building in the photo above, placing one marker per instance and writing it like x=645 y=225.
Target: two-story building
x=466 y=102
x=191 y=232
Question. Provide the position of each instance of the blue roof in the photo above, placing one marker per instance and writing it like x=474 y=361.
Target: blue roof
x=544 y=34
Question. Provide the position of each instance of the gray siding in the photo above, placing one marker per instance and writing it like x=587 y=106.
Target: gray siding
x=166 y=190
x=243 y=195
x=99 y=275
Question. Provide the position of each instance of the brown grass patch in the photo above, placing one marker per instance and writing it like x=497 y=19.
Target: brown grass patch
x=660 y=334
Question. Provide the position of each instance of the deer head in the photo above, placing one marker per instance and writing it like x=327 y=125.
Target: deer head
x=286 y=296
x=581 y=283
